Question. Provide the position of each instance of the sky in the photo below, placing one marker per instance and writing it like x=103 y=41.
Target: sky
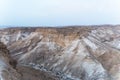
x=59 y=12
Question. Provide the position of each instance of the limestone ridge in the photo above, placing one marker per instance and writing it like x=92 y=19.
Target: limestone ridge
x=70 y=53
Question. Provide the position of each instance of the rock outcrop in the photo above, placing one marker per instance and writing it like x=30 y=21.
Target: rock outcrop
x=9 y=70
x=7 y=65
x=70 y=53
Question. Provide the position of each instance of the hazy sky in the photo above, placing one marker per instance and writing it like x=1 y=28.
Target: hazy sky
x=59 y=12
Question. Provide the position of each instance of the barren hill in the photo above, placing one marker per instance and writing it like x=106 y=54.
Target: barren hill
x=67 y=53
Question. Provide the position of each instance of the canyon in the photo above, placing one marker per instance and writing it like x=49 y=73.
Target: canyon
x=60 y=53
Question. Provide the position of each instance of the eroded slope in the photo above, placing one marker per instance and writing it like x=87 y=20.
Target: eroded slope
x=7 y=65
x=73 y=53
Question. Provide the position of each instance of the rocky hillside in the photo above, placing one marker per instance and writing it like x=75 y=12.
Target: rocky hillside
x=7 y=65
x=68 y=53
x=9 y=70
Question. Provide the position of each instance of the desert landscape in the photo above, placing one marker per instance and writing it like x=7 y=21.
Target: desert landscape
x=60 y=53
